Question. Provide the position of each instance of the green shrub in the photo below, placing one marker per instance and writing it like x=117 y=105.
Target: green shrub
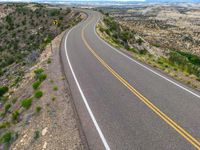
x=54 y=12
x=42 y=77
x=38 y=94
x=4 y=125
x=6 y=137
x=14 y=100
x=36 y=85
x=143 y=52
x=15 y=116
x=53 y=98
x=26 y=103
x=36 y=135
x=183 y=63
x=51 y=81
x=55 y=88
x=49 y=60
x=194 y=59
x=126 y=35
x=7 y=107
x=38 y=109
x=3 y=99
x=39 y=71
x=177 y=59
x=139 y=41
x=3 y=90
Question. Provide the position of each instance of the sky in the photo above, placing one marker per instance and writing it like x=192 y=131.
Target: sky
x=67 y=0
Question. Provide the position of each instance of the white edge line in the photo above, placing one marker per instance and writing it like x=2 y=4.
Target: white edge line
x=144 y=65
x=84 y=98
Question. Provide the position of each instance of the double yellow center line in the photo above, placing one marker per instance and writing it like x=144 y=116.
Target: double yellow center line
x=162 y=115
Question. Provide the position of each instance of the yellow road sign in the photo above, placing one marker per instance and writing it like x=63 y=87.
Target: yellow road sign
x=55 y=22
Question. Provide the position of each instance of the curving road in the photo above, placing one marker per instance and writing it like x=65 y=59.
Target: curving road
x=122 y=103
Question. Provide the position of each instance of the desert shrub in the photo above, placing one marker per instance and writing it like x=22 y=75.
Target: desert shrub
x=177 y=59
x=42 y=77
x=51 y=81
x=15 y=116
x=132 y=50
x=36 y=135
x=3 y=90
x=6 y=137
x=126 y=35
x=26 y=103
x=14 y=100
x=143 y=52
x=54 y=12
x=53 y=98
x=38 y=94
x=156 y=45
x=49 y=60
x=36 y=85
x=101 y=29
x=7 y=107
x=4 y=125
x=9 y=19
x=3 y=99
x=113 y=26
x=39 y=71
x=38 y=109
x=68 y=10
x=1 y=72
x=194 y=59
x=185 y=62
x=139 y=41
x=55 y=88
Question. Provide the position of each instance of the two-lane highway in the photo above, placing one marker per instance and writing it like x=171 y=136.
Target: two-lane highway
x=122 y=103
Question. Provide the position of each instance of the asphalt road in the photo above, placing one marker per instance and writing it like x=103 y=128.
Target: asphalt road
x=122 y=103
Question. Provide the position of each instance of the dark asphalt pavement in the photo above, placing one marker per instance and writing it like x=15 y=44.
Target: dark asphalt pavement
x=112 y=116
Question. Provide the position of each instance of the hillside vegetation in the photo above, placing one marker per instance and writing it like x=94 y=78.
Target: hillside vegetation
x=25 y=32
x=181 y=65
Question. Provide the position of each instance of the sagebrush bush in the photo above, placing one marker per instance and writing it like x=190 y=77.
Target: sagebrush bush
x=38 y=109
x=4 y=125
x=36 y=135
x=15 y=116
x=6 y=137
x=55 y=88
x=42 y=77
x=36 y=85
x=49 y=60
x=3 y=90
x=39 y=71
x=7 y=107
x=26 y=103
x=38 y=94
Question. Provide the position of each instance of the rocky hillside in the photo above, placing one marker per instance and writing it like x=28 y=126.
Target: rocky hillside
x=25 y=30
x=36 y=109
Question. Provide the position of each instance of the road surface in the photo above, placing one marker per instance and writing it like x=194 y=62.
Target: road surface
x=122 y=103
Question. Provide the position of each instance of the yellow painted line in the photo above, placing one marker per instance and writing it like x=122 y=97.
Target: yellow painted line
x=156 y=110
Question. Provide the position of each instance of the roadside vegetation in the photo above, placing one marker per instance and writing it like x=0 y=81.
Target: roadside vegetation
x=181 y=65
x=25 y=32
x=11 y=115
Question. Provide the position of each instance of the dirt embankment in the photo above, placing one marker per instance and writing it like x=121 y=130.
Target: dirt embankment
x=55 y=126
